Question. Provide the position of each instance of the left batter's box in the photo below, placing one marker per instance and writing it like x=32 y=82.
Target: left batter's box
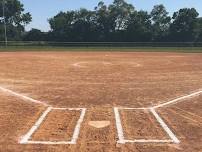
x=56 y=126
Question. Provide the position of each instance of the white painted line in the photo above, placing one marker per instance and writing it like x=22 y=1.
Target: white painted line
x=119 y=126
x=173 y=138
x=165 y=127
x=107 y=63
x=50 y=142
x=26 y=137
x=71 y=109
x=143 y=108
x=178 y=99
x=21 y=96
x=78 y=64
x=148 y=141
x=78 y=126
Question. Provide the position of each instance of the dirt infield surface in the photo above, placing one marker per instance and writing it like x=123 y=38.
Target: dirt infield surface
x=37 y=90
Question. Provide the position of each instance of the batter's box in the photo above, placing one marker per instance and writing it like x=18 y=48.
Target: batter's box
x=142 y=131
x=56 y=126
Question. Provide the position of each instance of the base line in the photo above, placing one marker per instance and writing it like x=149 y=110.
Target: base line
x=165 y=127
x=21 y=96
x=178 y=99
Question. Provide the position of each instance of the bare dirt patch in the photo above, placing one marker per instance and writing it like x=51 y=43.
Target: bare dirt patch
x=141 y=124
x=58 y=126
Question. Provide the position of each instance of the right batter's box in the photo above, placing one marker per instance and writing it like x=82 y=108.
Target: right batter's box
x=142 y=125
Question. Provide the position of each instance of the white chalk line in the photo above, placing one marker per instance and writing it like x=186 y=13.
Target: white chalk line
x=122 y=140
x=117 y=118
x=78 y=126
x=148 y=141
x=70 y=109
x=26 y=138
x=171 y=102
x=178 y=99
x=143 y=108
x=78 y=64
x=119 y=126
x=165 y=127
x=50 y=142
x=26 y=98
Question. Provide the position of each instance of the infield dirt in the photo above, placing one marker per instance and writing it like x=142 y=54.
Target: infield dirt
x=100 y=81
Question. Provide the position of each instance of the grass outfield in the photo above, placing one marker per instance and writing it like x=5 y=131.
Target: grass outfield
x=119 y=49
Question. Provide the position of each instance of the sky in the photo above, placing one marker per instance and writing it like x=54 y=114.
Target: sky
x=42 y=10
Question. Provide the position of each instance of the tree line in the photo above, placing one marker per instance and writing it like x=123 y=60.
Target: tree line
x=116 y=22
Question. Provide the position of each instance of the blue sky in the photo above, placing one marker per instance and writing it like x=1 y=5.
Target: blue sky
x=41 y=10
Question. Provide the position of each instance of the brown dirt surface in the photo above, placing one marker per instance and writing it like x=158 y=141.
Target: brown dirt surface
x=58 y=126
x=100 y=81
x=141 y=124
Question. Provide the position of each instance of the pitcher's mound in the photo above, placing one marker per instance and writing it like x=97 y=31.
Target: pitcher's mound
x=99 y=124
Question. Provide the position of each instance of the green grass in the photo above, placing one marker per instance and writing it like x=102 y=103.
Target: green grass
x=112 y=49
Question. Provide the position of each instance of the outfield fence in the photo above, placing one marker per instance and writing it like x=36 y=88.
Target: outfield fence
x=98 y=44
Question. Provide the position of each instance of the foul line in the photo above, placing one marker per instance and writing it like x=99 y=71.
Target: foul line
x=26 y=138
x=171 y=102
x=173 y=138
x=21 y=96
x=178 y=99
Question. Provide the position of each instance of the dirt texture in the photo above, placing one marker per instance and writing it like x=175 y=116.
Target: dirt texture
x=100 y=81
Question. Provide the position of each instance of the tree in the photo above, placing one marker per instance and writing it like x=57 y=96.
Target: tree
x=61 y=26
x=183 y=26
x=139 y=27
x=103 y=22
x=161 y=23
x=120 y=12
x=198 y=30
x=74 y=26
x=84 y=27
x=15 y=18
x=34 y=35
x=120 y=21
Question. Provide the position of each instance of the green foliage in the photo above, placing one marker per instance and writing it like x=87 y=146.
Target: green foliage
x=117 y=22
x=121 y=22
x=14 y=17
x=161 y=23
x=139 y=27
x=198 y=30
x=183 y=26
x=34 y=34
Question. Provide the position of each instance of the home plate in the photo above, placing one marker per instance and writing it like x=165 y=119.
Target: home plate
x=99 y=124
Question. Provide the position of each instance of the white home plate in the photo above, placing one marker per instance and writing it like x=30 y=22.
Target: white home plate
x=99 y=124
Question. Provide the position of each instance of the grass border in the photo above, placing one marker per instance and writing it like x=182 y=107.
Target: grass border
x=102 y=49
